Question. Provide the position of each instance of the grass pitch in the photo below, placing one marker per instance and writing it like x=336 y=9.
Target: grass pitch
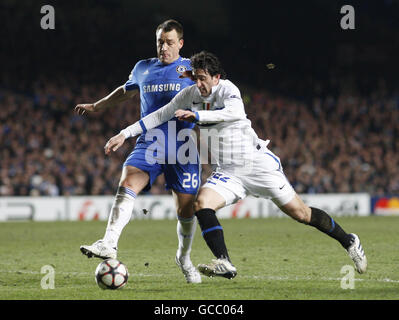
x=276 y=258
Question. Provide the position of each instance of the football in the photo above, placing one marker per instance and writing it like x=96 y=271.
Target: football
x=111 y=274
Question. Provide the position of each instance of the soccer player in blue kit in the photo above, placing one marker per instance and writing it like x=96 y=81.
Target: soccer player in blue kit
x=157 y=80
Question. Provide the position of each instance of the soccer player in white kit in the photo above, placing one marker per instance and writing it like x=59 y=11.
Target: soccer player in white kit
x=244 y=164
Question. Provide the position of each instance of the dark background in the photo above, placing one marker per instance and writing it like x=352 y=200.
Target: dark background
x=101 y=40
x=330 y=106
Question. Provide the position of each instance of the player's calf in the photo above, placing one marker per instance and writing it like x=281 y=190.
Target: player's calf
x=326 y=224
x=212 y=232
x=317 y=218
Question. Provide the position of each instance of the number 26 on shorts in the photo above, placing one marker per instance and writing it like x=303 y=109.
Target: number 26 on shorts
x=190 y=180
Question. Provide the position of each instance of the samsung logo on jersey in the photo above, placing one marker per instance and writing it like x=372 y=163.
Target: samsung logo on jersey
x=161 y=87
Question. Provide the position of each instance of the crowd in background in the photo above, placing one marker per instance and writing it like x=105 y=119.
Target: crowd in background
x=329 y=103
x=335 y=143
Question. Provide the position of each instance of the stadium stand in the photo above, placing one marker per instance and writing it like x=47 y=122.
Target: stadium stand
x=343 y=143
x=330 y=106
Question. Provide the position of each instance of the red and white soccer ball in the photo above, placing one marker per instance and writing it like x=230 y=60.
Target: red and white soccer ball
x=111 y=274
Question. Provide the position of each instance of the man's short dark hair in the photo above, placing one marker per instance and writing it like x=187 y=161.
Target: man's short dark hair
x=170 y=25
x=208 y=62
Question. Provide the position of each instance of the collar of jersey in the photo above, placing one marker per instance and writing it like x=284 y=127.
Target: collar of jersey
x=213 y=90
x=176 y=61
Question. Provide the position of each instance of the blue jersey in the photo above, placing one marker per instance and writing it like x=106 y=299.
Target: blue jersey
x=158 y=84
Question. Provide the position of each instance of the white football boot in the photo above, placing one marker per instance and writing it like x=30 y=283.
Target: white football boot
x=99 y=249
x=356 y=253
x=189 y=271
x=218 y=267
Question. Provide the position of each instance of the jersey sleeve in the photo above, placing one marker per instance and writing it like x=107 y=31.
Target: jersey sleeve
x=160 y=116
x=132 y=82
x=233 y=109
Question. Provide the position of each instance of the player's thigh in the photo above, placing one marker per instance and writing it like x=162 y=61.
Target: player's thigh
x=221 y=189
x=134 y=178
x=297 y=209
x=184 y=204
x=272 y=185
x=209 y=199
x=139 y=164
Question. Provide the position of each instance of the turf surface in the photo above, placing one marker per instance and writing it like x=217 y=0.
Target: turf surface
x=276 y=258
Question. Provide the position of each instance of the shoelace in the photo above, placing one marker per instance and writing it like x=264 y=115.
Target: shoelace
x=358 y=253
x=218 y=266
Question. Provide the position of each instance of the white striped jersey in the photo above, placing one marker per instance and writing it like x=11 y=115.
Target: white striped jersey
x=225 y=129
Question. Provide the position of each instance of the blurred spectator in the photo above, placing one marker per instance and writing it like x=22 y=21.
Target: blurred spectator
x=342 y=143
x=336 y=144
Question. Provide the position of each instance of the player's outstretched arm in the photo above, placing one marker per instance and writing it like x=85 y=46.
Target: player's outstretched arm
x=158 y=117
x=149 y=122
x=115 y=97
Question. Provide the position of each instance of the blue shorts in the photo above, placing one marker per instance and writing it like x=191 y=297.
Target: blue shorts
x=184 y=178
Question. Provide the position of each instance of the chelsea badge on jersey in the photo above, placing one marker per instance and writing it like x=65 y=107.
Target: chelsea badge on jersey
x=181 y=69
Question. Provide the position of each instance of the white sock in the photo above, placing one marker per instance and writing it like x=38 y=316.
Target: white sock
x=120 y=215
x=185 y=233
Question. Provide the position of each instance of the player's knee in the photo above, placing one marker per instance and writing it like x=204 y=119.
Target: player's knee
x=199 y=204
x=134 y=179
x=186 y=211
x=125 y=183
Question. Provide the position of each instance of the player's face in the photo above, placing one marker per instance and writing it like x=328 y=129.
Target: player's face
x=205 y=81
x=168 y=46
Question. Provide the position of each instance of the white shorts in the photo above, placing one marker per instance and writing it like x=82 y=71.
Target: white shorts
x=266 y=180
